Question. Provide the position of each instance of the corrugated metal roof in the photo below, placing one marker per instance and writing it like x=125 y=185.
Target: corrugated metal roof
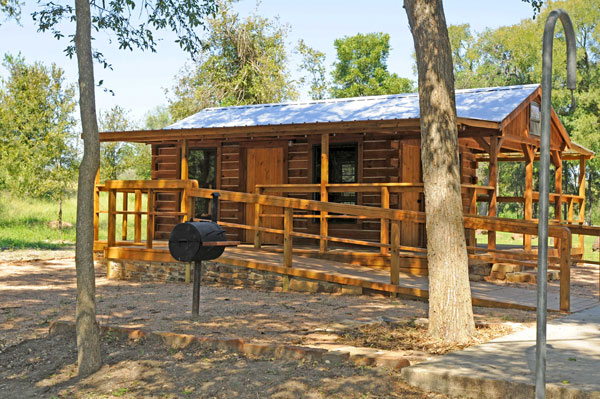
x=489 y=104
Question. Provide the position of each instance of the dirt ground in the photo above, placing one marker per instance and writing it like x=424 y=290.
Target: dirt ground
x=46 y=368
x=34 y=292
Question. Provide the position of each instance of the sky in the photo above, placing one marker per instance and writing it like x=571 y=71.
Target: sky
x=139 y=79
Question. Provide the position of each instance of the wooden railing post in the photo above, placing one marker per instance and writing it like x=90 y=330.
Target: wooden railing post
x=528 y=193
x=183 y=205
x=582 y=201
x=112 y=217
x=565 y=272
x=257 y=219
x=124 y=220
x=384 y=234
x=150 y=219
x=324 y=222
x=288 y=223
x=395 y=257
x=97 y=207
x=493 y=181
x=137 y=223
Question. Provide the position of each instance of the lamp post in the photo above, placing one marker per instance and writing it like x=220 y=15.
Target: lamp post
x=546 y=109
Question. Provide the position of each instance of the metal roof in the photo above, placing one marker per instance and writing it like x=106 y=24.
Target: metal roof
x=489 y=104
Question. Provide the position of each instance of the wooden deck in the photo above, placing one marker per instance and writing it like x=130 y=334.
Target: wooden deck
x=483 y=293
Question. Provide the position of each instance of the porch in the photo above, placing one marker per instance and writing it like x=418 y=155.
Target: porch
x=384 y=265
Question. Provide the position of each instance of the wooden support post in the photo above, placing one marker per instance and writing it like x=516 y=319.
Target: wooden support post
x=324 y=230
x=582 y=203
x=150 y=219
x=493 y=181
x=124 y=220
x=288 y=222
x=137 y=224
x=183 y=205
x=570 y=210
x=184 y=160
x=565 y=273
x=384 y=233
x=395 y=257
x=471 y=238
x=97 y=207
x=529 y=152
x=557 y=161
x=112 y=217
x=257 y=211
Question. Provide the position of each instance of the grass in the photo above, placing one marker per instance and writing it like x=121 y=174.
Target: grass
x=24 y=223
x=504 y=238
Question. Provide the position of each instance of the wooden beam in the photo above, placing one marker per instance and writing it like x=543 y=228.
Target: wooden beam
x=150 y=219
x=558 y=176
x=324 y=227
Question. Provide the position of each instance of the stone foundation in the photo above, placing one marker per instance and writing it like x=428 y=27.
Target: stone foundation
x=220 y=274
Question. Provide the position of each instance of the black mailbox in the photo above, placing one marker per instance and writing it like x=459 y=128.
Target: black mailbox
x=197 y=241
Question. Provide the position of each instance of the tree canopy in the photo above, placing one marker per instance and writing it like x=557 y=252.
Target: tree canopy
x=361 y=67
x=38 y=154
x=244 y=61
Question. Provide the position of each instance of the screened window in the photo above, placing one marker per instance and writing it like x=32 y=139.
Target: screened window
x=202 y=164
x=534 y=118
x=343 y=168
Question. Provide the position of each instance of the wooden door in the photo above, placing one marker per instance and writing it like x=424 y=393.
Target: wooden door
x=411 y=233
x=264 y=165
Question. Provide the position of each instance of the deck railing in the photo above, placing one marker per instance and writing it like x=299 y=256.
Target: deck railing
x=294 y=208
x=473 y=192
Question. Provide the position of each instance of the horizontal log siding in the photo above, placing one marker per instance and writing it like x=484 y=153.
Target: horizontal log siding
x=165 y=166
x=230 y=180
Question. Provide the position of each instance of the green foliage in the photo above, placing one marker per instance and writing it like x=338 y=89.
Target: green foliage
x=38 y=157
x=132 y=23
x=361 y=67
x=11 y=9
x=157 y=118
x=119 y=160
x=243 y=62
x=24 y=222
x=313 y=66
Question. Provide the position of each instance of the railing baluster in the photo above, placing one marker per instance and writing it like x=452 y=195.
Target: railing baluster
x=124 y=222
x=137 y=223
x=288 y=223
x=395 y=258
x=384 y=235
x=112 y=217
x=150 y=219
x=257 y=220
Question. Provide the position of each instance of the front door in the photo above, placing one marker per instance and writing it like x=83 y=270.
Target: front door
x=411 y=234
x=264 y=165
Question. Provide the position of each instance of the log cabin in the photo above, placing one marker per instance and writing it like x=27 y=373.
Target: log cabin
x=370 y=140
x=361 y=151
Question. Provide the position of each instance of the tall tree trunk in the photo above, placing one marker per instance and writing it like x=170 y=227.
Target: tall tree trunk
x=88 y=333
x=450 y=309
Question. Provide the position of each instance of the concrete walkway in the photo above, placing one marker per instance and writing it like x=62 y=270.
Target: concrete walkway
x=505 y=367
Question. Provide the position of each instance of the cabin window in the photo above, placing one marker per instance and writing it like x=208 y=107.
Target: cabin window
x=534 y=118
x=343 y=168
x=202 y=164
